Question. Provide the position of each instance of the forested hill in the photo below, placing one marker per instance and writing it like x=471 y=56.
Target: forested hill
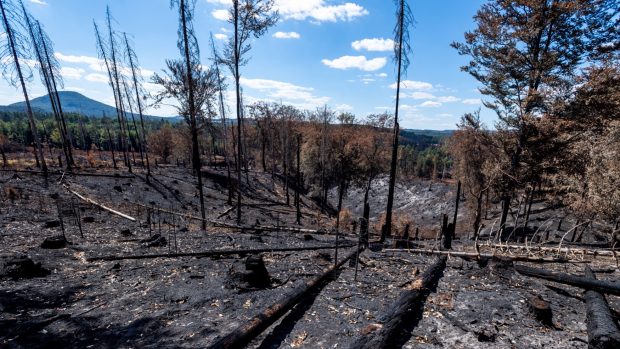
x=72 y=102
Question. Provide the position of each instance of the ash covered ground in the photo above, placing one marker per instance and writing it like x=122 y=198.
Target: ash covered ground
x=65 y=300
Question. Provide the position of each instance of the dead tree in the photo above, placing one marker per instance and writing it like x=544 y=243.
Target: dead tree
x=189 y=50
x=50 y=72
x=10 y=56
x=606 y=287
x=250 y=18
x=135 y=75
x=116 y=74
x=402 y=50
x=220 y=89
x=102 y=52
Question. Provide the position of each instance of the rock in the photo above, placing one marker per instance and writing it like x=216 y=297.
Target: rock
x=51 y=224
x=126 y=232
x=54 y=242
x=155 y=241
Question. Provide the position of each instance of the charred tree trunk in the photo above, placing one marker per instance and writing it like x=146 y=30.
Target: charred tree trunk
x=111 y=147
x=40 y=159
x=392 y=183
x=603 y=332
x=137 y=90
x=403 y=311
x=192 y=111
x=606 y=287
x=238 y=93
x=299 y=184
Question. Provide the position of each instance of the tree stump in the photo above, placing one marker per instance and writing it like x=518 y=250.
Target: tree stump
x=541 y=310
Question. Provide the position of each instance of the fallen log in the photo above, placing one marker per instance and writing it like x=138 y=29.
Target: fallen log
x=606 y=287
x=217 y=253
x=243 y=334
x=478 y=256
x=602 y=330
x=401 y=311
x=218 y=224
x=81 y=174
x=582 y=251
x=92 y=202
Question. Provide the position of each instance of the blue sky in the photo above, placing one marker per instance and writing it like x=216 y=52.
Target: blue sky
x=334 y=52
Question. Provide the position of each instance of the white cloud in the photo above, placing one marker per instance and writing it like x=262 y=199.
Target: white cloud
x=343 y=107
x=448 y=99
x=315 y=10
x=222 y=15
x=72 y=73
x=358 y=62
x=382 y=75
x=286 y=35
x=446 y=115
x=319 y=11
x=93 y=62
x=366 y=81
x=278 y=90
x=472 y=101
x=430 y=104
x=220 y=36
x=422 y=95
x=38 y=2
x=375 y=45
x=413 y=85
x=94 y=77
x=74 y=89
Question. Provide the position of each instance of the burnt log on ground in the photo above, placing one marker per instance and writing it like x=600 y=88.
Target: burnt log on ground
x=402 y=311
x=606 y=287
x=603 y=332
x=92 y=202
x=211 y=253
x=83 y=174
x=486 y=256
x=243 y=334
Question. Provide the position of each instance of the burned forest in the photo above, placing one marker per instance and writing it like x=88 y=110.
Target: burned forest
x=192 y=202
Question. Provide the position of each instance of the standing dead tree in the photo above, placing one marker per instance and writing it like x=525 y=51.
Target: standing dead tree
x=221 y=87
x=12 y=52
x=402 y=50
x=189 y=83
x=103 y=54
x=49 y=70
x=136 y=77
x=250 y=18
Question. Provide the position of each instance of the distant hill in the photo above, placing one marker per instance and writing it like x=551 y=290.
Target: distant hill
x=422 y=139
x=72 y=102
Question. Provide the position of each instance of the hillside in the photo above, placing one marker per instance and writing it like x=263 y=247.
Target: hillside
x=72 y=102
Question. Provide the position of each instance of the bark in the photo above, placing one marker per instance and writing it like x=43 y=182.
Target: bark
x=606 y=287
x=603 y=332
